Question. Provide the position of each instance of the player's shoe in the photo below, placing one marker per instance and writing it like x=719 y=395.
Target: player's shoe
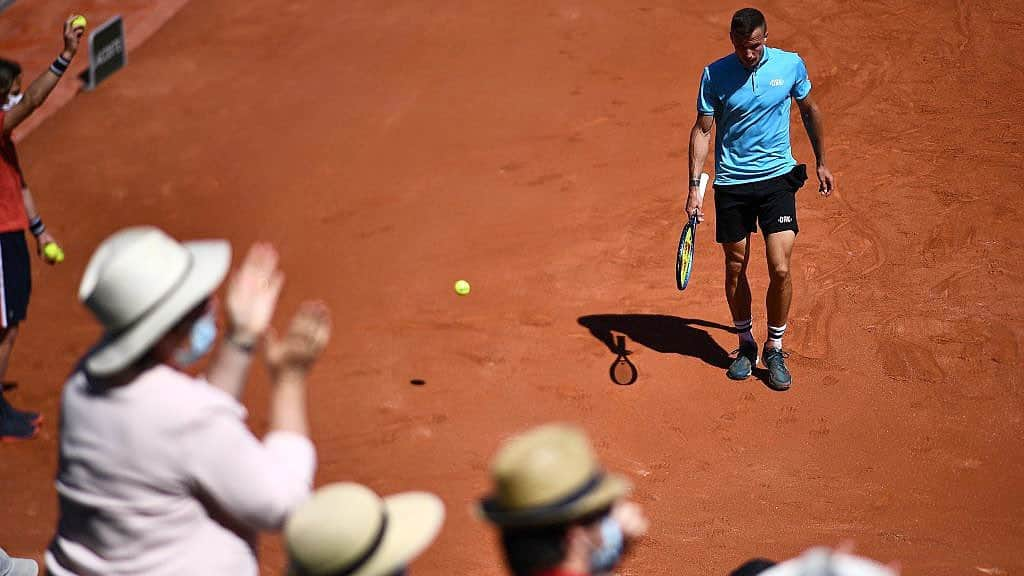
x=13 y=428
x=743 y=366
x=774 y=360
x=7 y=410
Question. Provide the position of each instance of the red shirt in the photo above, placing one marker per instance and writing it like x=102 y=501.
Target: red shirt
x=12 y=204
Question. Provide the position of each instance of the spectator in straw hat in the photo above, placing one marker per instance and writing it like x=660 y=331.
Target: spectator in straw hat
x=558 y=512
x=17 y=566
x=346 y=529
x=158 y=473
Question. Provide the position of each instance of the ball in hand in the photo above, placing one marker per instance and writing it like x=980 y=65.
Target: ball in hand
x=53 y=252
x=78 y=22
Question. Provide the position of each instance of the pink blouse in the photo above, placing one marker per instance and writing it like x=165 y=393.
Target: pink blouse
x=162 y=476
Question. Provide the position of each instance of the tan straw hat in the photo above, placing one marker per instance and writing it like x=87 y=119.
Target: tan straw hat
x=549 y=475
x=347 y=530
x=139 y=283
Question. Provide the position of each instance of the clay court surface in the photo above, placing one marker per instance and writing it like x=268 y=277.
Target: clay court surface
x=538 y=150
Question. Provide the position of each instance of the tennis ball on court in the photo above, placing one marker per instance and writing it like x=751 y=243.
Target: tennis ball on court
x=461 y=287
x=53 y=252
x=78 y=22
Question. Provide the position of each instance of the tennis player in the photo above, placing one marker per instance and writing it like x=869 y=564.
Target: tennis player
x=748 y=95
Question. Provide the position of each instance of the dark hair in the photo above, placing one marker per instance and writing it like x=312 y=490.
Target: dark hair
x=8 y=72
x=746 y=20
x=535 y=549
x=530 y=550
x=752 y=567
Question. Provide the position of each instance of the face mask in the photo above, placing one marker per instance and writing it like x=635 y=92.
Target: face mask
x=12 y=100
x=605 y=558
x=200 y=341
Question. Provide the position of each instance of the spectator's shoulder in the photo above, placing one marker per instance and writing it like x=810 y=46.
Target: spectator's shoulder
x=180 y=399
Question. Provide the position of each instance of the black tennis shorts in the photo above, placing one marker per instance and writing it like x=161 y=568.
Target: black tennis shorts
x=16 y=277
x=740 y=208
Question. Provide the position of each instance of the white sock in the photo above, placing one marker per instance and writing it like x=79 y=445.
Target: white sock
x=775 y=334
x=743 y=328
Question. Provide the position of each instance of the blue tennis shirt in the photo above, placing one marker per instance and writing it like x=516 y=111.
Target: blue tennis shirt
x=751 y=109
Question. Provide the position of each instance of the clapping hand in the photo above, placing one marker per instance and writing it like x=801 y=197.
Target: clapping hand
x=631 y=518
x=295 y=353
x=252 y=295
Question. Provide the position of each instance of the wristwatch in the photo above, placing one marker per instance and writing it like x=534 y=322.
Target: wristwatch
x=694 y=182
x=246 y=346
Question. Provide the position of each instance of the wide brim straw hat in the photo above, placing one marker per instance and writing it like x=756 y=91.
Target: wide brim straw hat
x=139 y=283
x=549 y=476
x=346 y=528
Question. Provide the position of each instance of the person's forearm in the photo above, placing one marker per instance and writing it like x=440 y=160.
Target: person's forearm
x=230 y=367
x=30 y=203
x=34 y=97
x=288 y=403
x=41 y=87
x=815 y=132
x=700 y=143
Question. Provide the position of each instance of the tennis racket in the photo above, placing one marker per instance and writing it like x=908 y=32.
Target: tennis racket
x=684 y=259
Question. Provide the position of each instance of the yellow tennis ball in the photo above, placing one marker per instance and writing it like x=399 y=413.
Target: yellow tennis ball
x=78 y=22
x=53 y=252
x=462 y=287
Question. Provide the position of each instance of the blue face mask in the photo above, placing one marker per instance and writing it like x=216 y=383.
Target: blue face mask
x=605 y=558
x=200 y=341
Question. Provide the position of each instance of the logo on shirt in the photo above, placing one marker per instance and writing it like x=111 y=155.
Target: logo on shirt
x=785 y=219
x=776 y=82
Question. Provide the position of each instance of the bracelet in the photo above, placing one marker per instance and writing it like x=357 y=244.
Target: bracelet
x=60 y=66
x=36 y=226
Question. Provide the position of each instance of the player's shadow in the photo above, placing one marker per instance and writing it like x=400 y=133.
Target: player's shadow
x=661 y=333
x=666 y=334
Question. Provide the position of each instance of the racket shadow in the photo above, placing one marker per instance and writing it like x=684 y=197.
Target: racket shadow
x=661 y=333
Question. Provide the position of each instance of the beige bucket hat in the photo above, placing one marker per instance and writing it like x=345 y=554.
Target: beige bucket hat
x=547 y=476
x=139 y=283
x=346 y=529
